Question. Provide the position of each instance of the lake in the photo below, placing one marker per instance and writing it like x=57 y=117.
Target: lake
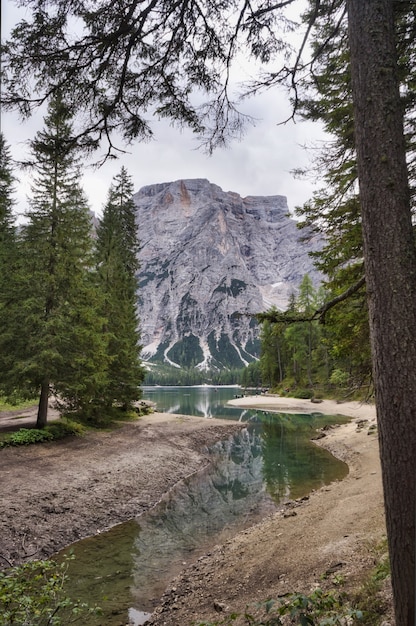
x=126 y=569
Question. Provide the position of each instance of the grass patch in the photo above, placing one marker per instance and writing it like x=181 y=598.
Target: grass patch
x=372 y=598
x=16 y=404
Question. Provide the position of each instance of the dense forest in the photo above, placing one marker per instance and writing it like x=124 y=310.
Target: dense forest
x=68 y=320
x=305 y=355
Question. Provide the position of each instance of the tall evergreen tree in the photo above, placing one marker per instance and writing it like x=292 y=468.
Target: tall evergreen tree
x=390 y=268
x=7 y=221
x=272 y=365
x=294 y=346
x=8 y=251
x=117 y=247
x=54 y=340
x=302 y=337
x=334 y=210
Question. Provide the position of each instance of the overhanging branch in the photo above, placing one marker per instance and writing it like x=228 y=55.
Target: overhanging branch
x=277 y=317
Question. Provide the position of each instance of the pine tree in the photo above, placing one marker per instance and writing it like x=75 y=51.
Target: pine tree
x=117 y=261
x=54 y=342
x=272 y=353
x=8 y=252
x=302 y=337
x=295 y=348
x=7 y=225
x=334 y=209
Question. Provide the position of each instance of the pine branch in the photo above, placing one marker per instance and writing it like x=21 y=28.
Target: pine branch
x=276 y=316
x=320 y=313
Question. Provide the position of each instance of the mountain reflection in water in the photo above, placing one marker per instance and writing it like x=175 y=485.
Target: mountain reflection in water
x=230 y=494
x=248 y=476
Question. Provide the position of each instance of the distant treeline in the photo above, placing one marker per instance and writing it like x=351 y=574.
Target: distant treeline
x=168 y=375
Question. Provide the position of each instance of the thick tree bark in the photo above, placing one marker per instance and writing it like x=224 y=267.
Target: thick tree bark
x=43 y=405
x=390 y=264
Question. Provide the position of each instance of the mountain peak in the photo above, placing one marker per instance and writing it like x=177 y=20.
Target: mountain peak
x=210 y=260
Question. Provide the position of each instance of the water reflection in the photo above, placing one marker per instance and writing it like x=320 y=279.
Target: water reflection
x=202 y=401
x=292 y=465
x=207 y=507
x=203 y=406
x=248 y=477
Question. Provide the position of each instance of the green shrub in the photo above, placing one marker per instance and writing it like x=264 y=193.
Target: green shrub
x=303 y=394
x=339 y=378
x=26 y=436
x=33 y=594
x=15 y=402
x=54 y=430
x=320 y=608
x=61 y=429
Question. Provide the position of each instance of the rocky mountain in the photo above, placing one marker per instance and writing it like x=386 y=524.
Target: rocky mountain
x=209 y=259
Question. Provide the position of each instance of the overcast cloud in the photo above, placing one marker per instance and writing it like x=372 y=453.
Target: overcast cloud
x=260 y=164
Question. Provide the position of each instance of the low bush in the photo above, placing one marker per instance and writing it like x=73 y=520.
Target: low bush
x=66 y=428
x=291 y=391
x=53 y=431
x=15 y=402
x=26 y=436
x=303 y=394
x=103 y=417
x=34 y=594
x=318 y=609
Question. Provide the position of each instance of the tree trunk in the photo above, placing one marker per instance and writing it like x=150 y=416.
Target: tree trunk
x=43 y=405
x=279 y=364
x=390 y=264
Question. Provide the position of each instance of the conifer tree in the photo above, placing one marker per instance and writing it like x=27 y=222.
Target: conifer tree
x=334 y=210
x=272 y=363
x=302 y=337
x=117 y=261
x=7 y=225
x=8 y=252
x=55 y=341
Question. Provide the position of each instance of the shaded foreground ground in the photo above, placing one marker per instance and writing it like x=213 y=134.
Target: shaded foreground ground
x=56 y=493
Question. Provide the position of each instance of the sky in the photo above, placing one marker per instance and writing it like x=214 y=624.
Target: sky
x=261 y=163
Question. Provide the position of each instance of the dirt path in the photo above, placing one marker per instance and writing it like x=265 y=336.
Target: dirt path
x=56 y=493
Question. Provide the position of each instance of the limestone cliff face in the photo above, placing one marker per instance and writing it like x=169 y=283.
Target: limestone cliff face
x=209 y=258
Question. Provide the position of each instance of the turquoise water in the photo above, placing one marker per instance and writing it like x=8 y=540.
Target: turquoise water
x=126 y=570
x=202 y=401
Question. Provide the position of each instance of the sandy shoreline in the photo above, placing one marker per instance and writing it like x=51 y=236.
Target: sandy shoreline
x=359 y=410
x=331 y=534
